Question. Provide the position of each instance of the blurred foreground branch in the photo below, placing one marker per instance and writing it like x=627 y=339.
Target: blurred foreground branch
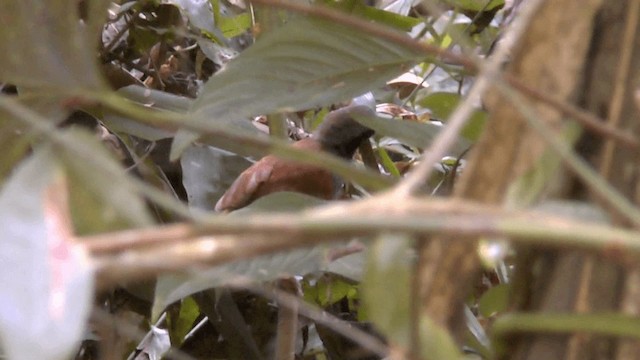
x=141 y=253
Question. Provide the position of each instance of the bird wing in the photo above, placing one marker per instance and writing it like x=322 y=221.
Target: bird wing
x=245 y=188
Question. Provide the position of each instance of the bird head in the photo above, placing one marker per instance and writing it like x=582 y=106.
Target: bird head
x=340 y=134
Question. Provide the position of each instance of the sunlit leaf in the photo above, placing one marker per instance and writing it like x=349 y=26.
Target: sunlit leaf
x=182 y=323
x=327 y=290
x=494 y=300
x=236 y=25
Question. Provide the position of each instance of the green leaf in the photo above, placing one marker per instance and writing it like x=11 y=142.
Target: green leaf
x=303 y=64
x=409 y=132
x=155 y=99
x=443 y=104
x=331 y=289
x=13 y=147
x=476 y=5
x=45 y=44
x=200 y=15
x=208 y=172
x=283 y=201
x=181 y=324
x=171 y=288
x=46 y=288
x=350 y=266
x=494 y=300
x=436 y=342
x=100 y=203
x=386 y=287
x=387 y=162
x=236 y=25
x=184 y=138
x=531 y=185
x=400 y=22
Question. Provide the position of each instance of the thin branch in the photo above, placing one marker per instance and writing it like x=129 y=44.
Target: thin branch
x=125 y=328
x=604 y=324
x=458 y=119
x=266 y=233
x=620 y=83
x=600 y=187
x=456 y=122
x=43 y=127
x=321 y=317
x=280 y=148
x=377 y=30
x=588 y=120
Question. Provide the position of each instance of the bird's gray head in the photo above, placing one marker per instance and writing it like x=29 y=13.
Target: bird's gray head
x=340 y=134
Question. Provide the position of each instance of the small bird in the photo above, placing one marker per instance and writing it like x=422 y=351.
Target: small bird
x=339 y=134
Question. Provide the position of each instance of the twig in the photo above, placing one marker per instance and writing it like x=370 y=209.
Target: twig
x=283 y=149
x=611 y=324
x=603 y=190
x=590 y=121
x=321 y=317
x=586 y=119
x=382 y=32
x=287 y=326
x=620 y=83
x=365 y=217
x=459 y=117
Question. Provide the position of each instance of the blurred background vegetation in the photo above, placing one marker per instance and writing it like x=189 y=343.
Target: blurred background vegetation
x=493 y=214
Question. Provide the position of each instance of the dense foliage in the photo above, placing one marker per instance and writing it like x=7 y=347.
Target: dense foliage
x=122 y=124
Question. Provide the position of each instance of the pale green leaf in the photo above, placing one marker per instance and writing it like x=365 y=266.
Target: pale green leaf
x=303 y=64
x=46 y=286
x=388 y=271
x=44 y=43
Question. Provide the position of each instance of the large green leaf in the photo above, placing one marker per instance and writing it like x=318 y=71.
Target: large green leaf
x=155 y=99
x=44 y=43
x=103 y=198
x=12 y=146
x=46 y=286
x=388 y=271
x=476 y=5
x=443 y=104
x=542 y=176
x=409 y=132
x=303 y=64
x=389 y=18
x=207 y=172
x=171 y=288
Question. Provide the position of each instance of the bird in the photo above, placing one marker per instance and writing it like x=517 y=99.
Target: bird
x=339 y=134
